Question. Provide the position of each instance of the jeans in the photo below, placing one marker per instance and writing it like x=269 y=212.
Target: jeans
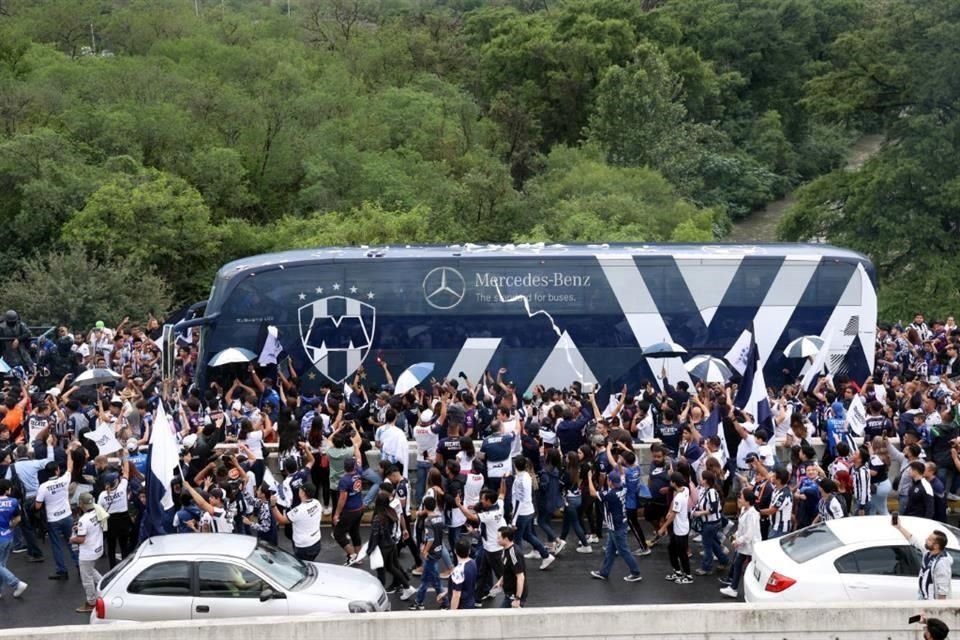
x=878 y=501
x=89 y=578
x=525 y=532
x=25 y=535
x=571 y=518
x=60 y=533
x=423 y=468
x=947 y=476
x=453 y=534
x=740 y=562
x=6 y=576
x=430 y=578
x=617 y=545
x=710 y=534
x=543 y=521
x=374 y=479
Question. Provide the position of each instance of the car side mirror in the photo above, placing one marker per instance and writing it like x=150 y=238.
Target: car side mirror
x=269 y=594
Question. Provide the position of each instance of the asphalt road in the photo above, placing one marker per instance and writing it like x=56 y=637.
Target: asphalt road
x=566 y=583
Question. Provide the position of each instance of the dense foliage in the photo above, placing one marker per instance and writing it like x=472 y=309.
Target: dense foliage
x=180 y=134
x=898 y=68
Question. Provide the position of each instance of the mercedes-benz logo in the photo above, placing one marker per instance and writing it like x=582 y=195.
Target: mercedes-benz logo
x=444 y=288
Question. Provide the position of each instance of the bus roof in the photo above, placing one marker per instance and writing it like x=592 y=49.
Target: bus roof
x=678 y=251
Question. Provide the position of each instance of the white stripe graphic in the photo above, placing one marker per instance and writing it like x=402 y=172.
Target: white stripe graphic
x=474 y=358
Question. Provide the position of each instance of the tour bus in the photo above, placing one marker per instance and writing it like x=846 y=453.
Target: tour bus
x=548 y=314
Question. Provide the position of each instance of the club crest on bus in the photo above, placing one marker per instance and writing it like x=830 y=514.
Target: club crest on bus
x=337 y=334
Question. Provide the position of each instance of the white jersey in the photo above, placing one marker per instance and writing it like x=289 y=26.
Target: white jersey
x=115 y=501
x=681 y=509
x=89 y=527
x=54 y=494
x=217 y=522
x=305 y=518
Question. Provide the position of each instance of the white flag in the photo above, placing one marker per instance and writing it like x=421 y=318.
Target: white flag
x=611 y=405
x=739 y=354
x=856 y=418
x=104 y=438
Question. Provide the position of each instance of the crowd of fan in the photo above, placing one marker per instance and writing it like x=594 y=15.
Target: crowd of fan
x=500 y=476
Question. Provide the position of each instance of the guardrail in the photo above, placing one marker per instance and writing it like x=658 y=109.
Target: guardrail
x=788 y=621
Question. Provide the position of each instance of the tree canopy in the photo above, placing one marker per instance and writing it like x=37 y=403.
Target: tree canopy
x=187 y=133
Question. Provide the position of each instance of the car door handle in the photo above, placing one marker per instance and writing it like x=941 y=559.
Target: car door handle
x=859 y=585
x=202 y=608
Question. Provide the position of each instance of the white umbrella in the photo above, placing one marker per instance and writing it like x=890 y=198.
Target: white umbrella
x=804 y=347
x=709 y=369
x=97 y=376
x=412 y=376
x=233 y=355
x=665 y=349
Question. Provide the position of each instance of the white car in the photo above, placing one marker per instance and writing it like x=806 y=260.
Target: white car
x=199 y=576
x=855 y=558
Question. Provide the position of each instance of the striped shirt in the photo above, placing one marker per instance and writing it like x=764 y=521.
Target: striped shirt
x=782 y=501
x=861 y=487
x=710 y=501
x=830 y=508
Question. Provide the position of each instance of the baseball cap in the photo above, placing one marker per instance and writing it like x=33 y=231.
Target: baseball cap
x=132 y=444
x=54 y=391
x=426 y=416
x=100 y=324
x=85 y=501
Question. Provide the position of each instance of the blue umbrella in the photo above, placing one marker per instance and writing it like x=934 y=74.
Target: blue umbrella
x=414 y=375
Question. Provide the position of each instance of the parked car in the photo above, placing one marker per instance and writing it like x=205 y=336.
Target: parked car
x=204 y=576
x=858 y=558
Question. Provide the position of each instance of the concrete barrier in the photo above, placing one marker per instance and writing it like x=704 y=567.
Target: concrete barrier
x=809 y=621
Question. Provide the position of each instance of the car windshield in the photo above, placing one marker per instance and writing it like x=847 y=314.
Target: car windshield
x=278 y=565
x=809 y=543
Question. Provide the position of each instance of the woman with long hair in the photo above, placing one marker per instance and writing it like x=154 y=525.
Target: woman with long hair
x=879 y=476
x=320 y=472
x=383 y=535
x=710 y=511
x=549 y=498
x=252 y=435
x=572 y=499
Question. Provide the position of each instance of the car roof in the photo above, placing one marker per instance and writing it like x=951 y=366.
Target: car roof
x=878 y=530
x=213 y=544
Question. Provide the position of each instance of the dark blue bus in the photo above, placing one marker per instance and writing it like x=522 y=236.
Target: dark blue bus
x=548 y=314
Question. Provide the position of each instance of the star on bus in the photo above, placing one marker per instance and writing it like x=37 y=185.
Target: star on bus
x=370 y=295
x=302 y=296
x=353 y=289
x=336 y=286
x=319 y=289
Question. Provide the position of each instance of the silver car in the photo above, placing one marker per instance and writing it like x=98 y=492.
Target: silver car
x=199 y=576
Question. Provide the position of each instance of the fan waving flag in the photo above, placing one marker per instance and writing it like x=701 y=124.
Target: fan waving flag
x=105 y=439
x=163 y=457
x=752 y=392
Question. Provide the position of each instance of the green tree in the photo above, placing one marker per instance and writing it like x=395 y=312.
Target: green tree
x=73 y=288
x=156 y=219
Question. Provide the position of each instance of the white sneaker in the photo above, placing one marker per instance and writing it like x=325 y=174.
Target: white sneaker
x=697 y=538
x=533 y=554
x=546 y=562
x=592 y=539
x=584 y=548
x=407 y=593
x=643 y=552
x=495 y=591
x=560 y=546
x=730 y=593
x=21 y=587
x=327 y=511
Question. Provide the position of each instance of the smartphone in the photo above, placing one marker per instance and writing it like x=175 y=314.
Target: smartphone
x=913 y=619
x=895 y=518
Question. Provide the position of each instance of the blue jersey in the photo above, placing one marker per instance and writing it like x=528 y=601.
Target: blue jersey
x=463 y=578
x=614 y=516
x=9 y=509
x=351 y=484
x=497 y=451
x=631 y=481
